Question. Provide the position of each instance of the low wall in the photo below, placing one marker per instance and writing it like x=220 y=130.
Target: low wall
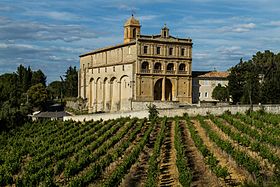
x=106 y=116
x=192 y=111
x=141 y=105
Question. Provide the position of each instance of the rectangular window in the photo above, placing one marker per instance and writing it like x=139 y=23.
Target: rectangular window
x=183 y=52
x=158 y=50
x=206 y=94
x=170 y=51
x=145 y=49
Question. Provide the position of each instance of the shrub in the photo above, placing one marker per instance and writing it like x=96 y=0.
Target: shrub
x=153 y=112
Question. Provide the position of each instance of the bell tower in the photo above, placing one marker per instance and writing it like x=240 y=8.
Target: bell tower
x=165 y=32
x=131 y=29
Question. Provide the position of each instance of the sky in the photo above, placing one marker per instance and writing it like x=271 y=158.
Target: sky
x=51 y=34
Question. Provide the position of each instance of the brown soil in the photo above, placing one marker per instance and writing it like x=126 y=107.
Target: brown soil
x=138 y=172
x=169 y=175
x=237 y=174
x=266 y=166
x=61 y=178
x=202 y=175
x=274 y=149
x=24 y=163
x=111 y=168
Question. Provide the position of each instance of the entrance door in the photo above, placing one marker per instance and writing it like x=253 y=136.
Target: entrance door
x=168 y=90
x=158 y=90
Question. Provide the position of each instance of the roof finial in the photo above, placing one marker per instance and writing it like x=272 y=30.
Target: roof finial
x=132 y=12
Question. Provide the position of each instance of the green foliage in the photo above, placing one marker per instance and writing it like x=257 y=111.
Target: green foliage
x=38 y=95
x=185 y=174
x=256 y=80
x=220 y=93
x=153 y=169
x=55 y=89
x=71 y=82
x=13 y=96
x=153 y=112
x=79 y=153
x=38 y=77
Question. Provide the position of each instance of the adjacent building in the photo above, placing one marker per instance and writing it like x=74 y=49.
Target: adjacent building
x=144 y=68
x=204 y=84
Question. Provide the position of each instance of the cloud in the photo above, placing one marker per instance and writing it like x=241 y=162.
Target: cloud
x=240 y=28
x=147 y=17
x=274 y=23
x=62 y=16
x=14 y=30
x=5 y=8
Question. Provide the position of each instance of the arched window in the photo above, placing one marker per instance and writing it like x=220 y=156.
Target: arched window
x=157 y=67
x=170 y=67
x=145 y=67
x=134 y=33
x=182 y=67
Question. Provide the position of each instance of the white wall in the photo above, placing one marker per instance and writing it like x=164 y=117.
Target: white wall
x=192 y=111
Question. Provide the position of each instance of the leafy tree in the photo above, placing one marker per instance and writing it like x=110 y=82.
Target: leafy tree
x=8 y=85
x=24 y=76
x=71 y=82
x=236 y=81
x=55 y=89
x=38 y=77
x=220 y=93
x=13 y=95
x=256 y=80
x=38 y=95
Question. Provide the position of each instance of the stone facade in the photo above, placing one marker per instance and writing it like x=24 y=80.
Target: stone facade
x=145 y=68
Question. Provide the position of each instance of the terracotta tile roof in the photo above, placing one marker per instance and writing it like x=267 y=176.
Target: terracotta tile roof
x=218 y=74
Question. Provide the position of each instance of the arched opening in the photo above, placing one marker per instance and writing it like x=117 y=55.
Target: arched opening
x=91 y=86
x=157 y=67
x=106 y=95
x=158 y=90
x=134 y=33
x=163 y=94
x=182 y=67
x=168 y=90
x=125 y=93
x=145 y=67
x=114 y=95
x=170 y=68
x=99 y=95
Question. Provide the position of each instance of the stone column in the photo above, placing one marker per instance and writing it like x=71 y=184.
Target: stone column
x=120 y=92
x=176 y=89
x=103 y=101
x=152 y=66
x=163 y=90
x=152 y=87
x=190 y=87
x=95 y=97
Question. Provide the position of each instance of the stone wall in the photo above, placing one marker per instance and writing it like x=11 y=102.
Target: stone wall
x=107 y=116
x=192 y=111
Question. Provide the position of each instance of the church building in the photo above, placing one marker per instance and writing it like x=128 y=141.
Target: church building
x=141 y=70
